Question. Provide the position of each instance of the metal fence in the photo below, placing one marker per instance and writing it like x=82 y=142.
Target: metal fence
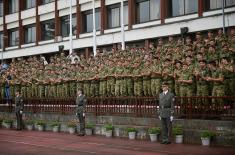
x=185 y=107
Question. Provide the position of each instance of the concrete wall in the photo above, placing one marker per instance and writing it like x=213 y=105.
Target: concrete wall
x=225 y=130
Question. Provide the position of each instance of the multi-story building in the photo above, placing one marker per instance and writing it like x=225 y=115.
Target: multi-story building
x=31 y=27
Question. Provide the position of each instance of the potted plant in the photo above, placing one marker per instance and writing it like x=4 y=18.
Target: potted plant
x=131 y=132
x=55 y=126
x=178 y=133
x=109 y=130
x=29 y=124
x=72 y=126
x=206 y=136
x=153 y=133
x=7 y=123
x=89 y=128
x=40 y=125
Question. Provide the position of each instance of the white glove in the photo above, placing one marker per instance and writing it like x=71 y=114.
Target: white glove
x=171 y=118
x=21 y=112
x=83 y=114
x=159 y=117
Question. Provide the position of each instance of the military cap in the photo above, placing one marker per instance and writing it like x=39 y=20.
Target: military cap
x=165 y=83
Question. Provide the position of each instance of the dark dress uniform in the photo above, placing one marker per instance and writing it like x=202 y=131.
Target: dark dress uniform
x=166 y=110
x=19 y=105
x=81 y=104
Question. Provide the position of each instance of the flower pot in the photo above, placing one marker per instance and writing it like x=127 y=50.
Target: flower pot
x=131 y=135
x=179 y=139
x=40 y=128
x=55 y=129
x=29 y=127
x=153 y=137
x=71 y=130
x=205 y=141
x=109 y=133
x=88 y=132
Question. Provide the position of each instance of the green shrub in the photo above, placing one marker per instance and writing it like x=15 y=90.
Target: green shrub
x=154 y=130
x=90 y=126
x=40 y=122
x=72 y=124
x=8 y=121
x=131 y=129
x=29 y=122
x=108 y=127
x=177 y=130
x=55 y=123
x=207 y=134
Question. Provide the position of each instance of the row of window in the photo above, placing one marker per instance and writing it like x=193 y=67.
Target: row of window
x=151 y=8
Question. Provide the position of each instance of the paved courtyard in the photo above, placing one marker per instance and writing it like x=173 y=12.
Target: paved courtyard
x=48 y=143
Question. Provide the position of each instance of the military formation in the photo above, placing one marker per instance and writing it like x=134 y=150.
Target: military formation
x=203 y=66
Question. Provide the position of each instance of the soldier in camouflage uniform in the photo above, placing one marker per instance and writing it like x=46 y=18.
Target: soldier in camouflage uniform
x=111 y=79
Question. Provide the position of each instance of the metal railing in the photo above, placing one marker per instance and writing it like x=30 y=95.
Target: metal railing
x=185 y=107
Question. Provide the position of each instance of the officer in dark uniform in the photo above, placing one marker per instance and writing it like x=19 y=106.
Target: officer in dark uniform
x=81 y=105
x=19 y=105
x=165 y=112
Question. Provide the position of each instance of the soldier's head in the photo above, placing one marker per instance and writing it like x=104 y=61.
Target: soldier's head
x=210 y=34
x=79 y=92
x=165 y=86
x=202 y=63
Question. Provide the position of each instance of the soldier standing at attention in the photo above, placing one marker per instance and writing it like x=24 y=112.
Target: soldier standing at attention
x=166 y=111
x=81 y=106
x=19 y=110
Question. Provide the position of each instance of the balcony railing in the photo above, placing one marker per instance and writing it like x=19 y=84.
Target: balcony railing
x=185 y=107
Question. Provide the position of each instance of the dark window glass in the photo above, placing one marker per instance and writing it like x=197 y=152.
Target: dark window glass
x=183 y=7
x=47 y=30
x=13 y=37
x=1 y=8
x=114 y=16
x=30 y=4
x=47 y=1
x=13 y=6
x=148 y=10
x=30 y=33
x=1 y=39
x=88 y=20
x=65 y=25
x=217 y=4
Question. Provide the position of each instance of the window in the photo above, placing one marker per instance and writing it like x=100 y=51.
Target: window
x=147 y=10
x=30 y=4
x=114 y=15
x=1 y=40
x=217 y=4
x=30 y=33
x=1 y=8
x=183 y=7
x=13 y=6
x=65 y=25
x=47 y=29
x=88 y=21
x=47 y=1
x=13 y=37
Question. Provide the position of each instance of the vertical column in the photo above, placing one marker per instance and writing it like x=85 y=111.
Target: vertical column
x=57 y=21
x=146 y=43
x=200 y=8
x=103 y=15
x=38 y=28
x=87 y=52
x=21 y=34
x=131 y=13
x=5 y=33
x=163 y=11
x=79 y=19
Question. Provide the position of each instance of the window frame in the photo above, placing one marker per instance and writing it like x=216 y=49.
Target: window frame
x=27 y=27
x=10 y=10
x=84 y=20
x=25 y=6
x=207 y=6
x=171 y=10
x=44 y=3
x=43 y=23
x=109 y=8
x=74 y=18
x=1 y=4
x=1 y=39
x=10 y=31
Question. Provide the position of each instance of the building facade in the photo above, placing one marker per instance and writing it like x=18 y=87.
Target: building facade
x=31 y=27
